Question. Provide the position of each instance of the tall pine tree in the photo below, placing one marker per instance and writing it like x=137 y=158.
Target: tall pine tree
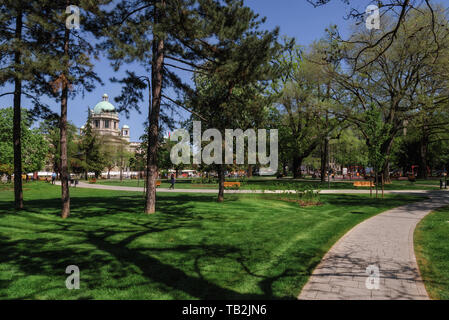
x=170 y=36
x=15 y=65
x=69 y=69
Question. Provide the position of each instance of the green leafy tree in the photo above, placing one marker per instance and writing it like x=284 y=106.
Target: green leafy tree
x=118 y=152
x=69 y=68
x=398 y=75
x=305 y=103
x=224 y=105
x=350 y=149
x=397 y=11
x=171 y=36
x=34 y=145
x=376 y=130
x=17 y=65
x=50 y=129
x=90 y=152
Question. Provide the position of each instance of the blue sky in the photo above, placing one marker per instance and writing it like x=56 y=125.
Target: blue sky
x=296 y=18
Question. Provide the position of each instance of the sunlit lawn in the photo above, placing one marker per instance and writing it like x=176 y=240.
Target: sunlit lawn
x=432 y=250
x=249 y=247
x=272 y=184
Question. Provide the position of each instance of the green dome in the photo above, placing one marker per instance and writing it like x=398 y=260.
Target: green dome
x=104 y=106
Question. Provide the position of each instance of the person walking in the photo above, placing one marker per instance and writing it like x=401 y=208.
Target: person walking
x=53 y=178
x=172 y=181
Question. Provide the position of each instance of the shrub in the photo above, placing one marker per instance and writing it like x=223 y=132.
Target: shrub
x=304 y=195
x=204 y=180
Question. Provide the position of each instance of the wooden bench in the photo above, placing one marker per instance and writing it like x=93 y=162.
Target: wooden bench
x=92 y=180
x=363 y=184
x=231 y=184
x=158 y=183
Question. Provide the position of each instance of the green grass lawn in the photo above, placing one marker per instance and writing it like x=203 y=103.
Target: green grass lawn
x=432 y=251
x=249 y=247
x=276 y=184
x=434 y=182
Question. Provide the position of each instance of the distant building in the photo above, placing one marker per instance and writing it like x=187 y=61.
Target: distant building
x=106 y=122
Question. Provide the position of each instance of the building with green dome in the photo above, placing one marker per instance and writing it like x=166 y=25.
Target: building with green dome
x=105 y=123
x=105 y=120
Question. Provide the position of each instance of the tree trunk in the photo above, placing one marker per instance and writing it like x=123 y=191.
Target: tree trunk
x=297 y=162
x=382 y=186
x=249 y=172
x=376 y=177
x=386 y=172
x=422 y=169
x=324 y=153
x=386 y=149
x=86 y=173
x=17 y=118
x=63 y=136
x=156 y=85
x=221 y=179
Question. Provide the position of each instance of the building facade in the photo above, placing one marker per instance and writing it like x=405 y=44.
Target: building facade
x=105 y=120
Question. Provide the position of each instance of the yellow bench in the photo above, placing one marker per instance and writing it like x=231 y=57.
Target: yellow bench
x=363 y=184
x=231 y=184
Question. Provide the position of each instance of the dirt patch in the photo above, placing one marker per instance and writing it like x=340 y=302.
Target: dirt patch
x=303 y=203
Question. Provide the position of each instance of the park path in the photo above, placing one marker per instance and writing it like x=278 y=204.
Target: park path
x=384 y=241
x=336 y=191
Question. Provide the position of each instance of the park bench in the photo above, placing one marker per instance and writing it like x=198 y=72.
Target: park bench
x=158 y=183
x=231 y=184
x=92 y=180
x=363 y=184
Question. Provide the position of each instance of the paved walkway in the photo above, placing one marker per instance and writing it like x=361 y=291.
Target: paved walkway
x=384 y=241
x=336 y=191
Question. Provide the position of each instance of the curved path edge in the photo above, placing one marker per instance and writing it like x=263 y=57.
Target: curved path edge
x=375 y=260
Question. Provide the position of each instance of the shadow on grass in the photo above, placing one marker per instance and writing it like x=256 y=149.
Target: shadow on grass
x=91 y=247
x=350 y=200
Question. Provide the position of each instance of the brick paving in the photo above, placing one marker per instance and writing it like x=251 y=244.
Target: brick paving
x=384 y=241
